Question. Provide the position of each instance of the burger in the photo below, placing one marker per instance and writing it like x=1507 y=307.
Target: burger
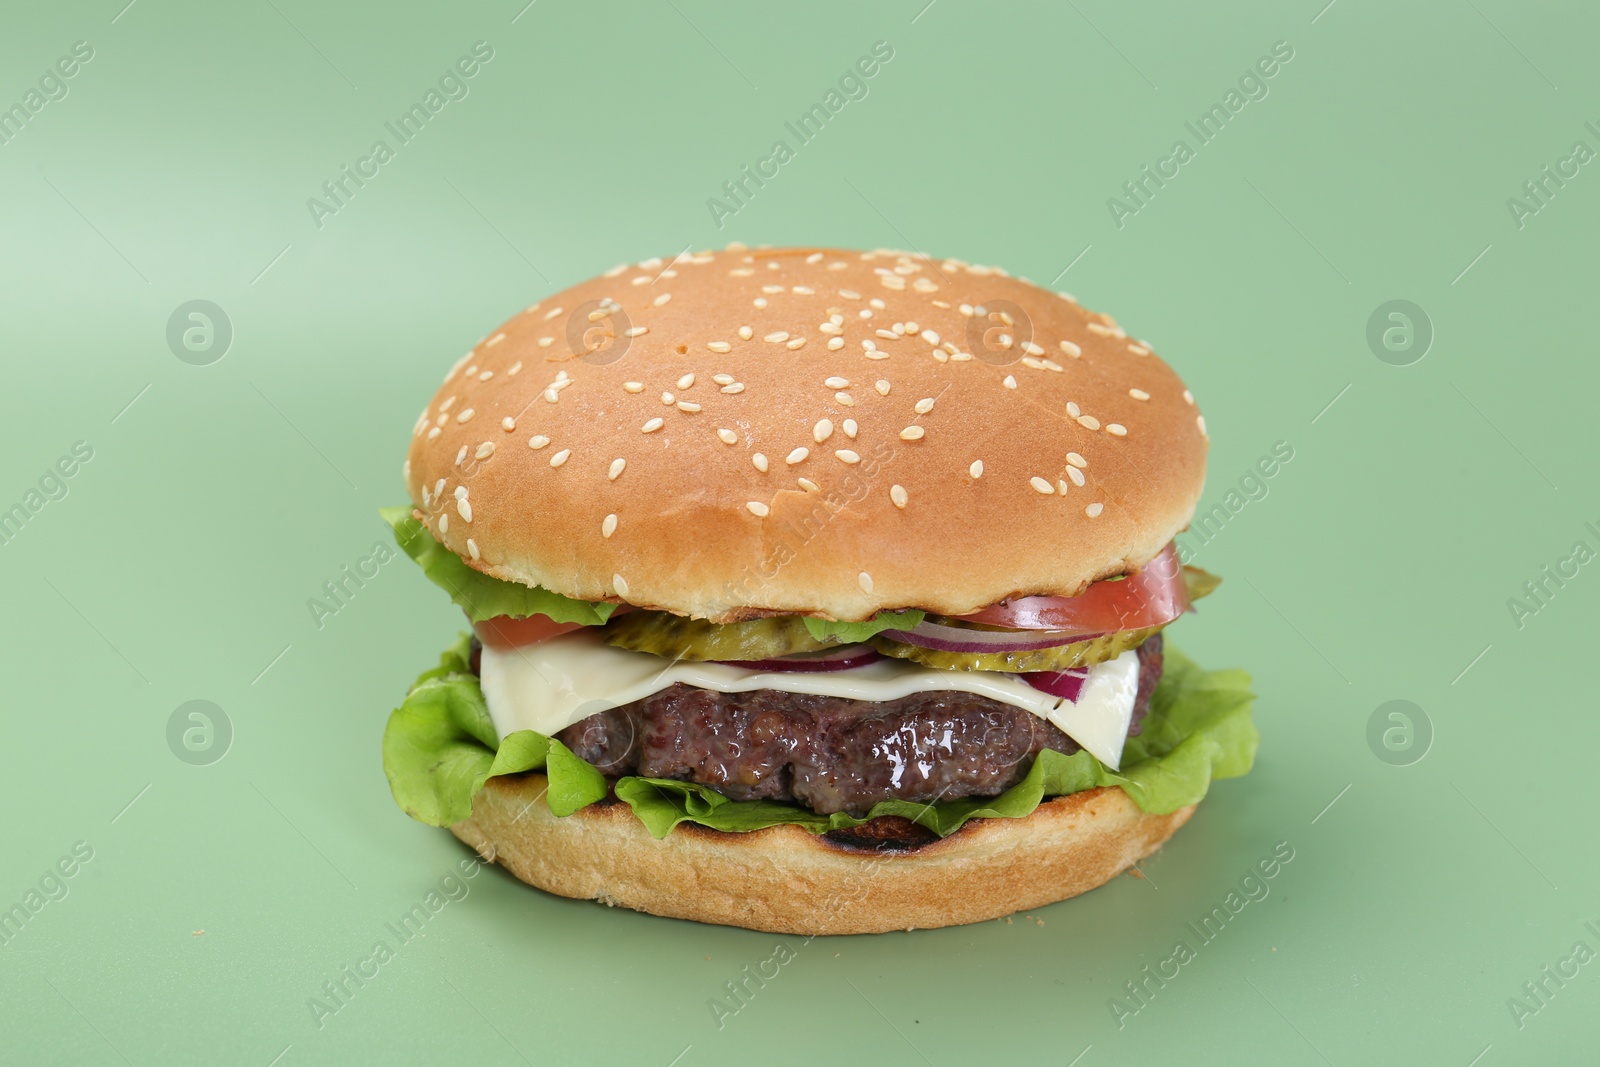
x=811 y=591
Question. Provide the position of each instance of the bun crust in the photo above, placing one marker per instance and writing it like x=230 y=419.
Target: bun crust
x=726 y=435
x=786 y=880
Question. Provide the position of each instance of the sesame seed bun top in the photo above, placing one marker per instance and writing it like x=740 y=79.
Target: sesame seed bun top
x=818 y=431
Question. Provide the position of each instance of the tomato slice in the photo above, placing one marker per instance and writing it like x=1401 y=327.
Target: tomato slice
x=503 y=631
x=1154 y=595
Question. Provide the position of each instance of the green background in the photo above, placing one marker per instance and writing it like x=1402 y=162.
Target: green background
x=1377 y=568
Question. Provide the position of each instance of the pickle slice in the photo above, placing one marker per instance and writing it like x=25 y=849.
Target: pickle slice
x=675 y=637
x=1057 y=658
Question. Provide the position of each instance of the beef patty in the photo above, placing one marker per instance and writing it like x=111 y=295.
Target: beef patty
x=831 y=754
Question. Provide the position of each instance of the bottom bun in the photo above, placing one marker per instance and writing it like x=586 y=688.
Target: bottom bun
x=787 y=880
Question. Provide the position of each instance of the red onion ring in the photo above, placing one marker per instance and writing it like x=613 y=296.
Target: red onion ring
x=1064 y=684
x=834 y=659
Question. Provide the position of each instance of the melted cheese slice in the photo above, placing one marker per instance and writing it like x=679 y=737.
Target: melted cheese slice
x=549 y=686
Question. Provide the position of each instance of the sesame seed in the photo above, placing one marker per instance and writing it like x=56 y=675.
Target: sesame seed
x=1062 y=486
x=760 y=301
x=758 y=509
x=686 y=381
x=1138 y=394
x=837 y=383
x=924 y=405
x=472 y=548
x=662 y=299
x=844 y=455
x=772 y=288
x=864 y=580
x=976 y=470
x=809 y=486
x=822 y=430
x=798 y=342
x=514 y=368
x=688 y=406
x=438 y=487
x=1035 y=364
x=484 y=376
x=1032 y=349
x=745 y=333
x=797 y=455
x=736 y=387
x=830 y=327
x=465 y=415
x=778 y=337
x=882 y=387
x=930 y=336
x=652 y=425
x=461 y=455
x=728 y=436
x=911 y=433
x=1088 y=422
x=552 y=394
x=668 y=398
x=1200 y=421
x=849 y=294
x=496 y=339
x=1010 y=382
x=1116 y=429
x=552 y=313
x=876 y=355
x=633 y=387
x=461 y=492
x=888 y=335
x=538 y=440
x=1139 y=350
x=636 y=331
x=470 y=371
x=1042 y=485
x=619 y=584
x=760 y=462
x=846 y=399
x=719 y=346
x=1073 y=410
x=1076 y=475
x=434 y=433
x=608 y=526
x=1050 y=364
x=910 y=326
x=722 y=379
x=1071 y=349
x=508 y=424
x=849 y=427
x=835 y=343
x=640 y=279
x=1188 y=397
x=546 y=342
x=444 y=523
x=617 y=466
x=897 y=493
x=464 y=509
x=1076 y=460
x=1094 y=510
x=1102 y=330
x=485 y=450
x=560 y=457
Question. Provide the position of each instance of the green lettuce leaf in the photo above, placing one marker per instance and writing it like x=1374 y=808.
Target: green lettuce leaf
x=850 y=633
x=479 y=595
x=439 y=749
